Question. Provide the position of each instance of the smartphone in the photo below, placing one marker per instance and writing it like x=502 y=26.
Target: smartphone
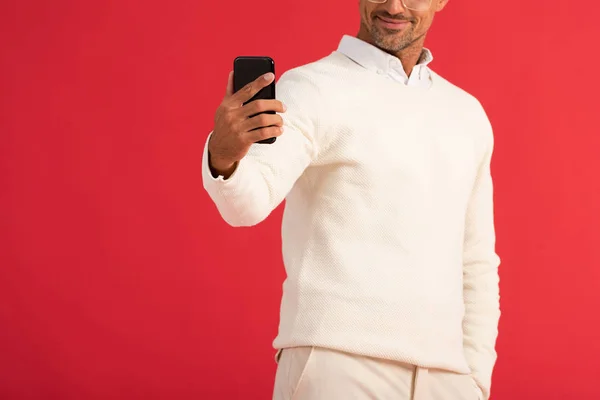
x=247 y=69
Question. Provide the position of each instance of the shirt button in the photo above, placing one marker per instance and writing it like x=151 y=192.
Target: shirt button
x=380 y=71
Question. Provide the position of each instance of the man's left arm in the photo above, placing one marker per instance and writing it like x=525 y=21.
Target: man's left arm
x=480 y=275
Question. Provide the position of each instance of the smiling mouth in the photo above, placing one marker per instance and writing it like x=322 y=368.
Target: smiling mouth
x=391 y=23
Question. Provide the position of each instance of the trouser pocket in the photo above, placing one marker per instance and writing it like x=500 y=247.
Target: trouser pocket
x=446 y=385
x=291 y=367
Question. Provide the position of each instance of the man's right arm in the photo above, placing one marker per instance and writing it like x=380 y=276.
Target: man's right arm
x=257 y=183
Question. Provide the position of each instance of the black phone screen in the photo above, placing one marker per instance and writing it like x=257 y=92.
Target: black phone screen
x=247 y=69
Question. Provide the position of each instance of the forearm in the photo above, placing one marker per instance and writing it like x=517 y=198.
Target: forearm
x=260 y=181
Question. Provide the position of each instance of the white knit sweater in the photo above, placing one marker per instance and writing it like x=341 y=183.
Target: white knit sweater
x=388 y=231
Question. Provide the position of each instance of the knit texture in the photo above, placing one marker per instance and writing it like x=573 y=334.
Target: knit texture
x=388 y=228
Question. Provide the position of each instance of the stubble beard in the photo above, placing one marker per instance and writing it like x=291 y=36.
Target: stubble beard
x=391 y=41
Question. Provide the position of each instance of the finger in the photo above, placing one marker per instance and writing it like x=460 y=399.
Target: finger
x=262 y=121
x=261 y=106
x=264 y=133
x=248 y=91
x=229 y=91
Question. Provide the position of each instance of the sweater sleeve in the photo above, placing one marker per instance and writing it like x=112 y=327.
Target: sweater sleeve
x=264 y=177
x=480 y=276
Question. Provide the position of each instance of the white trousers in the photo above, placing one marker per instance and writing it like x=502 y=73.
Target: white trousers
x=314 y=373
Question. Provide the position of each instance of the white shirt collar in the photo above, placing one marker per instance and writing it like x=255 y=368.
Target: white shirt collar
x=377 y=60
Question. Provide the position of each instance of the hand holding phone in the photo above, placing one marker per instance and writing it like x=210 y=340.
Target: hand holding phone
x=249 y=68
x=241 y=120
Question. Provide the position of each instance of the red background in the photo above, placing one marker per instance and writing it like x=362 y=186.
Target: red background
x=119 y=280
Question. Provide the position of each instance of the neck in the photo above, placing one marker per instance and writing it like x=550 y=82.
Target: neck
x=409 y=56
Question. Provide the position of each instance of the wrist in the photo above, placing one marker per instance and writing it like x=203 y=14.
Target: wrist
x=220 y=167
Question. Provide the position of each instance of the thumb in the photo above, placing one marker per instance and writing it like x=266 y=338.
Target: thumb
x=229 y=91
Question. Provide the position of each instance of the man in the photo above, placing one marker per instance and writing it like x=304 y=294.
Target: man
x=388 y=232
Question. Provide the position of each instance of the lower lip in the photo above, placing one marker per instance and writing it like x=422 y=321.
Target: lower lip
x=392 y=25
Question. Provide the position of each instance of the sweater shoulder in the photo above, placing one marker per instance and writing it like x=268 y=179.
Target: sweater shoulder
x=310 y=85
x=463 y=102
x=456 y=92
x=319 y=71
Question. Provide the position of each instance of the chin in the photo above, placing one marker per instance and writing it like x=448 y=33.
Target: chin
x=392 y=43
